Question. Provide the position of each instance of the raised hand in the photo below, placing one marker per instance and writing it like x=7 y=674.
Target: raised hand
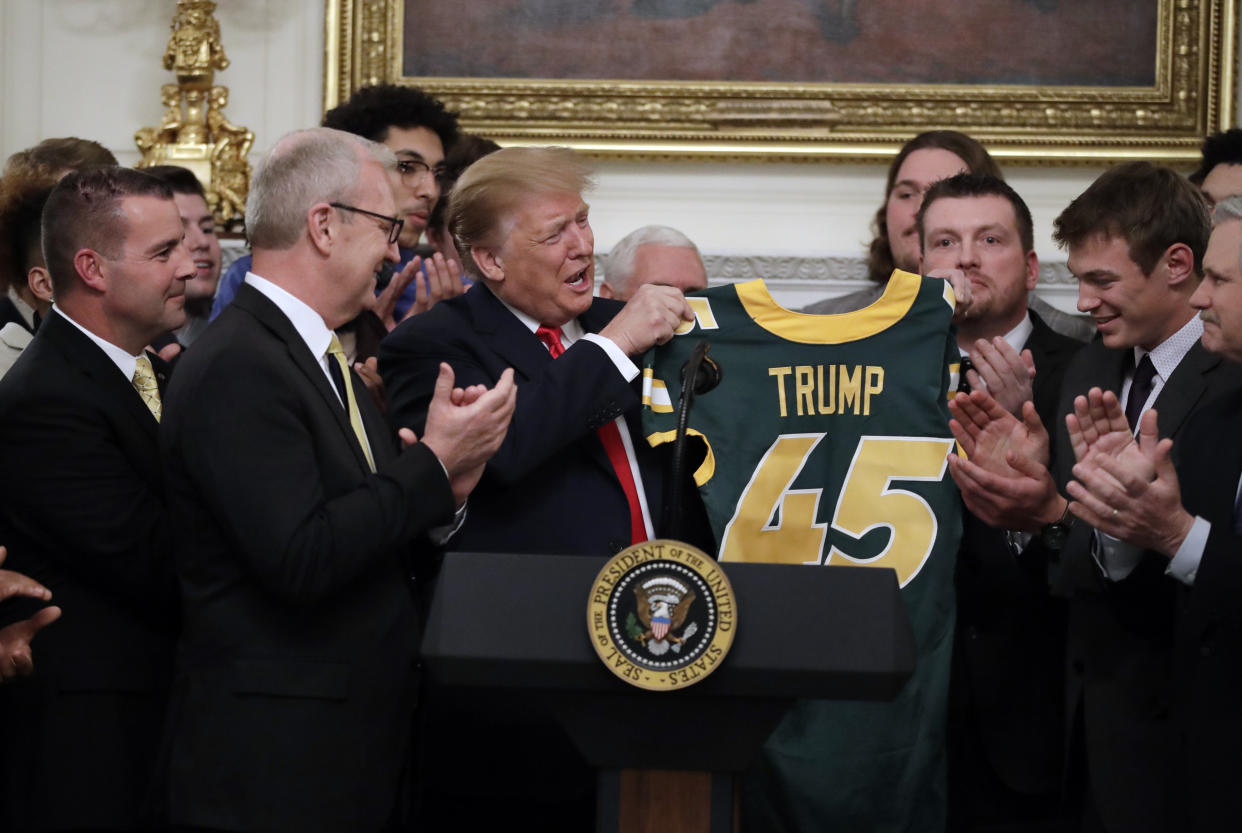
x=1135 y=495
x=465 y=426
x=16 y=584
x=1004 y=478
x=368 y=372
x=434 y=279
x=961 y=290
x=1098 y=425
x=648 y=318
x=1005 y=373
x=16 y=659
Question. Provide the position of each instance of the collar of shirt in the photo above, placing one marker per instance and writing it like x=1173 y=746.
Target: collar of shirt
x=1170 y=352
x=123 y=360
x=1017 y=336
x=305 y=320
x=571 y=330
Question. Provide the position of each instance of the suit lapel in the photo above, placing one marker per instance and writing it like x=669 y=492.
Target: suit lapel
x=85 y=356
x=507 y=335
x=1182 y=392
x=518 y=346
x=268 y=314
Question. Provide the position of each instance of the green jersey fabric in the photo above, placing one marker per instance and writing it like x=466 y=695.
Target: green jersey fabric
x=826 y=444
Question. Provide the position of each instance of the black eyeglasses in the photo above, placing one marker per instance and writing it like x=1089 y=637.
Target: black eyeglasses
x=411 y=169
x=394 y=223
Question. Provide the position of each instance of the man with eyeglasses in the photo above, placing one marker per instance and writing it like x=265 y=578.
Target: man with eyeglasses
x=417 y=129
x=304 y=520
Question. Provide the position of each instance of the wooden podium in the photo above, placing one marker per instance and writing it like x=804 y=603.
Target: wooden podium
x=667 y=760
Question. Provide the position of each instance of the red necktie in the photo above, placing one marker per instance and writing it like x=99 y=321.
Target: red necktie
x=610 y=436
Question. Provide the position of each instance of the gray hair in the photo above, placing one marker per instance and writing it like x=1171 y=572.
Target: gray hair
x=1227 y=209
x=619 y=268
x=305 y=167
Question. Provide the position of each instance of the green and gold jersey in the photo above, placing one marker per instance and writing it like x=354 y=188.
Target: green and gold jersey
x=826 y=443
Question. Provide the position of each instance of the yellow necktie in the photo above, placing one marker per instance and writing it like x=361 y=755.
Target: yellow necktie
x=144 y=383
x=351 y=404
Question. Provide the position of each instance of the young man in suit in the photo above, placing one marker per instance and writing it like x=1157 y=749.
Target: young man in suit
x=82 y=506
x=1189 y=515
x=306 y=522
x=1136 y=240
x=1005 y=708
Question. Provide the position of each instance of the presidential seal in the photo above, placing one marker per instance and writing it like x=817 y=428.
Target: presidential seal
x=661 y=615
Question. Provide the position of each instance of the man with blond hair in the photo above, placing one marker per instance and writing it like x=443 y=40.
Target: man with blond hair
x=574 y=475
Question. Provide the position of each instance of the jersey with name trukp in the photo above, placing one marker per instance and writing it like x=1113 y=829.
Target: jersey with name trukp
x=826 y=443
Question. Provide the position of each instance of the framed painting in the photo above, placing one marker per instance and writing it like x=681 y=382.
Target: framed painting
x=1044 y=81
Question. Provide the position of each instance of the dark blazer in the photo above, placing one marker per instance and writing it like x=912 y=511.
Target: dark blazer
x=1120 y=634
x=1009 y=647
x=294 y=696
x=1209 y=624
x=82 y=511
x=550 y=488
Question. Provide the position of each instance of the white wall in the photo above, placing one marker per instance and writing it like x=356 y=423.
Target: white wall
x=91 y=68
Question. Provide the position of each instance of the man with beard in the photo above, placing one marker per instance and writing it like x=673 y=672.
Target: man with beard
x=1005 y=691
x=1136 y=239
x=922 y=162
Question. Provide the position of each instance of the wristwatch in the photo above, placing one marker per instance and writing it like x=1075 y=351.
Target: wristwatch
x=1053 y=535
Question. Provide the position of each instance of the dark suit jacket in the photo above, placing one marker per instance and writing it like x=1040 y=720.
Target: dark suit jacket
x=1010 y=641
x=1209 y=624
x=550 y=488
x=296 y=676
x=82 y=511
x=1120 y=634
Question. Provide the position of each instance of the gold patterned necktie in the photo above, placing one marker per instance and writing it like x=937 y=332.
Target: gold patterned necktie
x=351 y=403
x=144 y=383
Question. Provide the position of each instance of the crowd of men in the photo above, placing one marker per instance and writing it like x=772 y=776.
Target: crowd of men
x=223 y=499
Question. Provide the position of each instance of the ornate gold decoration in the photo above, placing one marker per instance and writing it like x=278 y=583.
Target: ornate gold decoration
x=1193 y=95
x=194 y=132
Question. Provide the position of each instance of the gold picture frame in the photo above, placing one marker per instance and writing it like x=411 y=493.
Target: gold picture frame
x=1193 y=94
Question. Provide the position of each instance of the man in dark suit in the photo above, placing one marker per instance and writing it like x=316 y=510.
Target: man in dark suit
x=1131 y=490
x=82 y=506
x=574 y=475
x=1136 y=239
x=555 y=486
x=1005 y=706
x=303 y=522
